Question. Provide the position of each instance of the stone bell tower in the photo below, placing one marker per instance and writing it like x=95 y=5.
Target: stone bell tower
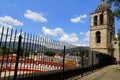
x=102 y=30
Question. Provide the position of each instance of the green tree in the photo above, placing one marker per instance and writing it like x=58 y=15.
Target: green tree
x=1 y=51
x=5 y=50
x=25 y=53
x=49 y=53
x=72 y=54
x=115 y=4
x=15 y=51
x=35 y=53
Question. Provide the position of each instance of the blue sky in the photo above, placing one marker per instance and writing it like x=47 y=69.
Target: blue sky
x=65 y=20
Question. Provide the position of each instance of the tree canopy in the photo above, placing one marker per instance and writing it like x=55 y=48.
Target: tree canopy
x=49 y=53
x=115 y=4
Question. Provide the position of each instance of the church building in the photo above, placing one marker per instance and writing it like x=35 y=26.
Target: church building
x=102 y=29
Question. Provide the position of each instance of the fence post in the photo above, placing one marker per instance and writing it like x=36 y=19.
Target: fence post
x=63 y=64
x=17 y=57
x=82 y=63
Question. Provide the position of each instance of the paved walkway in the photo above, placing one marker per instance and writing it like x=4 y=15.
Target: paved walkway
x=111 y=72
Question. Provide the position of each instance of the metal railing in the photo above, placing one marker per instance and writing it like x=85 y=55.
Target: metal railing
x=26 y=56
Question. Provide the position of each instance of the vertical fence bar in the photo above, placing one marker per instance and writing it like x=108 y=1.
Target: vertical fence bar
x=82 y=62
x=26 y=49
x=2 y=54
x=24 y=56
x=5 y=53
x=38 y=53
x=17 y=58
x=9 y=47
x=9 y=51
x=44 y=50
x=42 y=53
x=63 y=64
x=20 y=62
x=29 y=56
x=35 y=55
x=1 y=36
x=33 y=52
x=13 y=47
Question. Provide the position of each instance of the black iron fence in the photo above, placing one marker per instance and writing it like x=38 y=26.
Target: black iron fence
x=26 y=57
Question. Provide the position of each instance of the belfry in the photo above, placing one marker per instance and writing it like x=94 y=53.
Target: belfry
x=102 y=30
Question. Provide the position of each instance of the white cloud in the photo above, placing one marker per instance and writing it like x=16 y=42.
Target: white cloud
x=63 y=36
x=116 y=35
x=36 y=17
x=81 y=33
x=78 y=19
x=72 y=38
x=85 y=41
x=5 y=25
x=87 y=36
x=52 y=32
x=10 y=21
